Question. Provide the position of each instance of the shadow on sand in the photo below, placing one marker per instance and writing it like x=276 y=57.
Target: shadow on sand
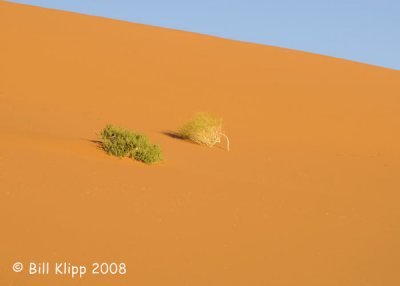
x=176 y=136
x=173 y=134
x=98 y=143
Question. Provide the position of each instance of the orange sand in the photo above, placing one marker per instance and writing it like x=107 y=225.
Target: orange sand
x=309 y=194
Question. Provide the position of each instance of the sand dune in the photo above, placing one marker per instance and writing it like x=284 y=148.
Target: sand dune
x=308 y=194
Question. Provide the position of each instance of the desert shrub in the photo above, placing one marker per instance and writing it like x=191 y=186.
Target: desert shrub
x=204 y=129
x=148 y=154
x=124 y=143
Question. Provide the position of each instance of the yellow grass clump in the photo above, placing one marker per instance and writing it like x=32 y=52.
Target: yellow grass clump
x=204 y=129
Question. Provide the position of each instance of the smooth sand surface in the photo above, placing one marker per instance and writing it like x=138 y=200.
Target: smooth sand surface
x=308 y=195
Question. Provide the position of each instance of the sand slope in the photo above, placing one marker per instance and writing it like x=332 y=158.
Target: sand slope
x=307 y=196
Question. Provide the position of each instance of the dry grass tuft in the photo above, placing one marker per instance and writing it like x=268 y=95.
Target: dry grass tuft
x=203 y=129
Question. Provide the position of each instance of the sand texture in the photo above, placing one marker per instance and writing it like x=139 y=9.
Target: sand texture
x=307 y=196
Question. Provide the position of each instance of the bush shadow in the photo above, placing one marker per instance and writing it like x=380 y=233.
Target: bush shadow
x=98 y=143
x=175 y=135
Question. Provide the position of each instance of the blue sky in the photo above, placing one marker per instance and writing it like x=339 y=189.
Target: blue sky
x=361 y=30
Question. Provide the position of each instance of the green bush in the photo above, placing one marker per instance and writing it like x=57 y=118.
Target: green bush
x=124 y=143
x=203 y=128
